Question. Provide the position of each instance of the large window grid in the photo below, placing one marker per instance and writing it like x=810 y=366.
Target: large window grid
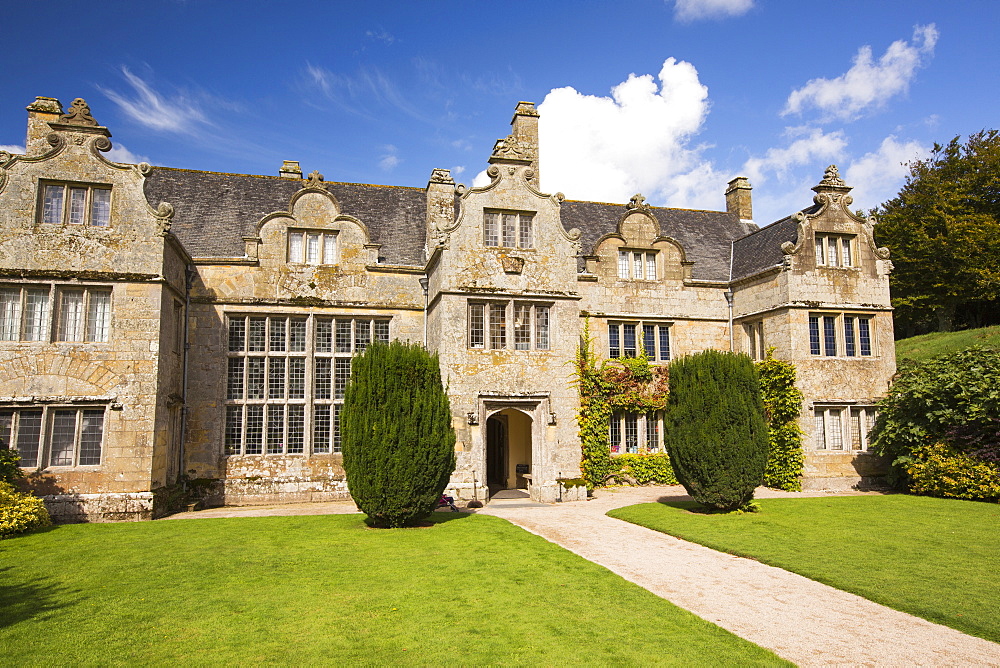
x=625 y=339
x=508 y=229
x=83 y=314
x=631 y=432
x=493 y=325
x=53 y=435
x=75 y=204
x=286 y=379
x=842 y=428
x=840 y=334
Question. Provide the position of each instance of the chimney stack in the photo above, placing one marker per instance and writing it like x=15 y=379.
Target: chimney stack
x=290 y=170
x=738 y=198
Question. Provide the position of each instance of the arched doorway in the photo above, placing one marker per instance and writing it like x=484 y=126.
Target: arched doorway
x=508 y=450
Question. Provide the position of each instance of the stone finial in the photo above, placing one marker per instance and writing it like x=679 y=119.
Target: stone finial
x=637 y=203
x=439 y=175
x=739 y=199
x=510 y=147
x=315 y=180
x=79 y=114
x=290 y=170
x=831 y=177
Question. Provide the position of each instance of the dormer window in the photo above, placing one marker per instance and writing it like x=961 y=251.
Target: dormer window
x=309 y=247
x=636 y=265
x=508 y=229
x=834 y=250
x=76 y=204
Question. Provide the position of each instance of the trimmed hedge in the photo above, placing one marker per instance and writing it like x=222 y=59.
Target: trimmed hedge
x=396 y=434
x=646 y=469
x=716 y=435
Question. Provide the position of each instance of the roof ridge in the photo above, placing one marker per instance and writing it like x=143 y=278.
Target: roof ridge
x=283 y=178
x=664 y=208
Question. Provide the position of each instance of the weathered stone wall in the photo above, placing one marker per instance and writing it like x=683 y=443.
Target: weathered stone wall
x=128 y=376
x=784 y=298
x=485 y=381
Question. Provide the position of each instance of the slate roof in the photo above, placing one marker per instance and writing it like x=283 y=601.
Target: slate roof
x=762 y=249
x=705 y=235
x=214 y=211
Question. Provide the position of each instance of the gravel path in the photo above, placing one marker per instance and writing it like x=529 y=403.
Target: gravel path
x=801 y=620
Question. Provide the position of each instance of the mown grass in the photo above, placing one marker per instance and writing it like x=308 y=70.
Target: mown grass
x=926 y=346
x=328 y=590
x=934 y=558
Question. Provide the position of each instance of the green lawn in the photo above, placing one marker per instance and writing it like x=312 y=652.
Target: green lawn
x=926 y=346
x=327 y=590
x=935 y=558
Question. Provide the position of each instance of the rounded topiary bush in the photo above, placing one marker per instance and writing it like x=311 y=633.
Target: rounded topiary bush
x=20 y=512
x=396 y=434
x=716 y=434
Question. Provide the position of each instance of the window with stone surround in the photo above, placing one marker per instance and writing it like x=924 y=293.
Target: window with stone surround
x=834 y=250
x=631 y=432
x=286 y=378
x=508 y=229
x=841 y=334
x=626 y=339
x=754 y=336
x=53 y=435
x=636 y=265
x=312 y=247
x=75 y=204
x=517 y=325
x=842 y=428
x=81 y=313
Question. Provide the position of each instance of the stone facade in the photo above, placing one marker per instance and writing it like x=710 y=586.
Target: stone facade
x=162 y=325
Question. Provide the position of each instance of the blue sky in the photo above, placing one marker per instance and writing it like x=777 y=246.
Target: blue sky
x=668 y=98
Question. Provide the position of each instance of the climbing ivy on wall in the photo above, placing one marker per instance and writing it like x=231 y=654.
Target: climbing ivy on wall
x=782 y=404
x=628 y=384
x=635 y=385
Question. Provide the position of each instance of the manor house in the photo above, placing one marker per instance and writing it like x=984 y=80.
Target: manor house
x=159 y=324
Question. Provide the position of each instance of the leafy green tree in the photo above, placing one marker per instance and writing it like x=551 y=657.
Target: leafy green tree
x=954 y=400
x=943 y=229
x=715 y=433
x=396 y=434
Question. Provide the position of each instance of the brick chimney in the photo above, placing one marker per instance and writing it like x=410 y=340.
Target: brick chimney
x=738 y=198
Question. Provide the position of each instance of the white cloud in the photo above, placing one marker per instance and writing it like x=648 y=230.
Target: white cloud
x=119 y=153
x=389 y=158
x=457 y=171
x=877 y=176
x=693 y=10
x=361 y=93
x=868 y=85
x=12 y=148
x=812 y=145
x=152 y=109
x=636 y=140
x=381 y=35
